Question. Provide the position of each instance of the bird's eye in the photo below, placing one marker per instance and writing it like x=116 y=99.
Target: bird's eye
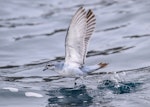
x=48 y=65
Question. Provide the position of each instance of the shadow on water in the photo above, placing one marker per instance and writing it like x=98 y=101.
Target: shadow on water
x=81 y=96
x=77 y=96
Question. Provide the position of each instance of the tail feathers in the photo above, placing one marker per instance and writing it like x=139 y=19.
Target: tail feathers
x=90 y=69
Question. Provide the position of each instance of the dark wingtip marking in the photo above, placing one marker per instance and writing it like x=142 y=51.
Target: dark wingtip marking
x=90 y=18
x=89 y=13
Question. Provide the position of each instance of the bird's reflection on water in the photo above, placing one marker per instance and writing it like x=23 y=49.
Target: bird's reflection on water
x=77 y=96
x=82 y=96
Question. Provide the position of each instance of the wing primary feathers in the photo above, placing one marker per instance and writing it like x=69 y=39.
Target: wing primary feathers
x=79 y=32
x=74 y=39
x=91 y=22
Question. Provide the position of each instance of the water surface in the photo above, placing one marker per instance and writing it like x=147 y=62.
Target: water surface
x=32 y=33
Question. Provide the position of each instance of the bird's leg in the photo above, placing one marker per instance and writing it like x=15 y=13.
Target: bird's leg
x=75 y=84
x=82 y=79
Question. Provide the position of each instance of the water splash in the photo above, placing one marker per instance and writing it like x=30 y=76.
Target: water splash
x=122 y=88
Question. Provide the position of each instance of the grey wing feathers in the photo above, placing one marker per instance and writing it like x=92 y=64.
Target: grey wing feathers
x=79 y=32
x=75 y=39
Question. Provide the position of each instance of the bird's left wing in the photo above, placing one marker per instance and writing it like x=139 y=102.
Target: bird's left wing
x=74 y=43
x=91 y=22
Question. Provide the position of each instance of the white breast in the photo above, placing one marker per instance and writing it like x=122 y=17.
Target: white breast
x=70 y=71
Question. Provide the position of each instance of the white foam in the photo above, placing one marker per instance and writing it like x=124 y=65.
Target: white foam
x=11 y=89
x=60 y=97
x=33 y=94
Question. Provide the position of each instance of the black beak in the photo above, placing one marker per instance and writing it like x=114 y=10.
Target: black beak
x=45 y=68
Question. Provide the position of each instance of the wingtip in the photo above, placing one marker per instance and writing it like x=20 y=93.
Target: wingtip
x=90 y=15
x=81 y=9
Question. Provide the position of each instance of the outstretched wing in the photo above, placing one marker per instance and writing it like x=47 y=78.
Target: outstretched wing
x=78 y=35
x=91 y=22
x=74 y=43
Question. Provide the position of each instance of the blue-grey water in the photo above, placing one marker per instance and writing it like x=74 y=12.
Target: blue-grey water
x=32 y=33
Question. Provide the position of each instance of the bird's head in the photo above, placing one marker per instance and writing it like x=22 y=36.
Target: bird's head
x=49 y=66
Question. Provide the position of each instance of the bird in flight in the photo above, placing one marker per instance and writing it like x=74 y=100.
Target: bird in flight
x=78 y=35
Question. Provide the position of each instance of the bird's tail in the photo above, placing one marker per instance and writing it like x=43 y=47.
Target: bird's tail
x=90 y=69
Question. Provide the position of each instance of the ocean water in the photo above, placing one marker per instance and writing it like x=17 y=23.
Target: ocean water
x=32 y=33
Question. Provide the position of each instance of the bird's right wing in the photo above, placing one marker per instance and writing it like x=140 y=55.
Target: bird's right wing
x=75 y=43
